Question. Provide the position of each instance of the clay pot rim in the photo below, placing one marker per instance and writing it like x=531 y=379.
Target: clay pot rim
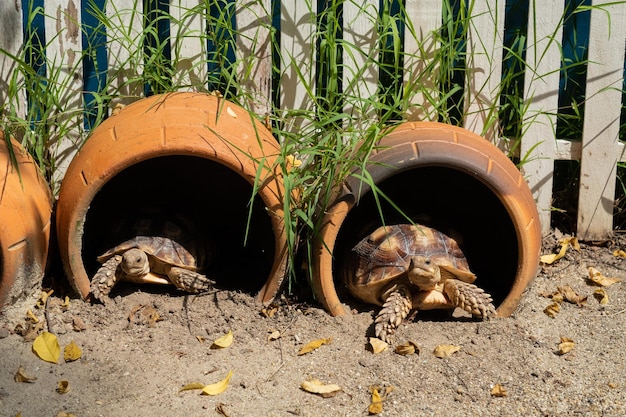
x=94 y=178
x=345 y=199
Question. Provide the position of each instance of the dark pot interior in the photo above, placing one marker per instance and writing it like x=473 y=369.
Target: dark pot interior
x=206 y=199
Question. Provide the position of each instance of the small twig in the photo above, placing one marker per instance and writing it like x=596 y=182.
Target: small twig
x=46 y=312
x=619 y=312
x=186 y=301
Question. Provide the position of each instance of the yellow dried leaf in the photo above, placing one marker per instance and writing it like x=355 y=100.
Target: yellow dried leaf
x=41 y=302
x=565 y=243
x=407 y=348
x=619 y=253
x=66 y=303
x=268 y=312
x=218 y=387
x=64 y=414
x=601 y=295
x=566 y=345
x=597 y=278
x=552 y=310
x=379 y=395
x=20 y=375
x=315 y=344
x=377 y=345
x=32 y=317
x=192 y=386
x=498 y=391
x=315 y=386
x=223 y=341
x=46 y=347
x=376 y=405
x=445 y=351
x=72 y=352
x=63 y=387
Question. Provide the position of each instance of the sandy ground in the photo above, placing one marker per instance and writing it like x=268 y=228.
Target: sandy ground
x=142 y=348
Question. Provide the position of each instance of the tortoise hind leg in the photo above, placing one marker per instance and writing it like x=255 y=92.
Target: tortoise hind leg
x=105 y=278
x=189 y=281
x=470 y=298
x=395 y=309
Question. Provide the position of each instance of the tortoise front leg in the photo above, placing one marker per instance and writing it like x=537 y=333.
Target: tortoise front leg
x=470 y=298
x=189 y=281
x=105 y=278
x=397 y=306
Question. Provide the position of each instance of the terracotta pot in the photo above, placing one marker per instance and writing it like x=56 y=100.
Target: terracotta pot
x=25 y=213
x=448 y=178
x=190 y=157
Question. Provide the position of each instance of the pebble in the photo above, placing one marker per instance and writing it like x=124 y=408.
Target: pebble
x=4 y=332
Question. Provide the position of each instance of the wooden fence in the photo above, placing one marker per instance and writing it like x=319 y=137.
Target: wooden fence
x=599 y=150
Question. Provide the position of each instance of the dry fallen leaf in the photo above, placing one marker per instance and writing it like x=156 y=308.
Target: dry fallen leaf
x=273 y=334
x=63 y=387
x=192 y=386
x=570 y=295
x=377 y=345
x=20 y=375
x=597 y=278
x=566 y=345
x=315 y=386
x=269 y=311
x=445 y=351
x=41 y=302
x=32 y=332
x=601 y=295
x=552 y=310
x=378 y=396
x=619 y=253
x=66 y=304
x=32 y=317
x=407 y=348
x=46 y=347
x=315 y=344
x=223 y=341
x=78 y=324
x=498 y=391
x=565 y=243
x=72 y=352
x=218 y=387
x=64 y=414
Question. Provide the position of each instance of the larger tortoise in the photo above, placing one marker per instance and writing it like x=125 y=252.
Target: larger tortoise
x=404 y=267
x=159 y=258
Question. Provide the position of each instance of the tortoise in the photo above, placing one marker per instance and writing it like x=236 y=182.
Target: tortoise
x=158 y=258
x=406 y=267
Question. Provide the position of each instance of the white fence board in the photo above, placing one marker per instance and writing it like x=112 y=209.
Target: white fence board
x=11 y=39
x=598 y=166
x=188 y=44
x=420 y=45
x=123 y=36
x=484 y=68
x=254 y=54
x=64 y=54
x=297 y=26
x=541 y=90
x=360 y=37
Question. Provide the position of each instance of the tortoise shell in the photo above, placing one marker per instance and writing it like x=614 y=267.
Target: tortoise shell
x=380 y=260
x=165 y=251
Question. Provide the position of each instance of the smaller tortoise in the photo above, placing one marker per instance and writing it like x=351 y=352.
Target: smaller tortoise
x=404 y=267
x=148 y=259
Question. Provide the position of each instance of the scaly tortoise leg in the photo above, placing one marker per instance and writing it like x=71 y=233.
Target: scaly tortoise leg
x=189 y=281
x=105 y=278
x=470 y=298
x=395 y=309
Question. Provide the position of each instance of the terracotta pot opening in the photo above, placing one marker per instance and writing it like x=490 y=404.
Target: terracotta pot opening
x=449 y=200
x=205 y=198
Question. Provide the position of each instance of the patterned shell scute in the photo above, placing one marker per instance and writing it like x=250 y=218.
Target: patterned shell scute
x=385 y=253
x=161 y=248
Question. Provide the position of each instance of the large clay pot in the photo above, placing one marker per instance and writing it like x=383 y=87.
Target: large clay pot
x=444 y=177
x=25 y=214
x=188 y=156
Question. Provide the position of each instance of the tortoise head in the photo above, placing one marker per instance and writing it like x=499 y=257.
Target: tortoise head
x=135 y=263
x=423 y=272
